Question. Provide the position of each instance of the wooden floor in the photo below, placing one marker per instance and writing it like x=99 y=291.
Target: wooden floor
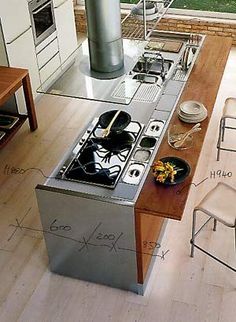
x=181 y=289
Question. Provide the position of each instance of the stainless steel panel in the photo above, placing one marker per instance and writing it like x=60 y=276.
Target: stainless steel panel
x=142 y=287
x=166 y=103
x=89 y=239
x=173 y=87
x=160 y=115
x=104 y=35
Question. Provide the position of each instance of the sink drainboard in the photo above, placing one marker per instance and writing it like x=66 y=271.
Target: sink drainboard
x=147 y=93
x=126 y=89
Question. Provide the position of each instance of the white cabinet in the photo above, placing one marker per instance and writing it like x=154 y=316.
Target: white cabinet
x=21 y=53
x=48 y=58
x=43 y=62
x=66 y=31
x=47 y=53
x=17 y=31
x=15 y=18
x=50 y=69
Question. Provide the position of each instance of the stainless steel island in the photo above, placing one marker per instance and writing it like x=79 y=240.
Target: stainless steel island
x=89 y=226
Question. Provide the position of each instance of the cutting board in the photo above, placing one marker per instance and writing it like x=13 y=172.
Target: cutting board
x=165 y=45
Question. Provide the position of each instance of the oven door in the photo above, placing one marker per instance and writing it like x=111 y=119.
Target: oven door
x=42 y=18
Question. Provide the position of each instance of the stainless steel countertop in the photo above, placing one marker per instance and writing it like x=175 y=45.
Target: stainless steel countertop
x=162 y=109
x=80 y=81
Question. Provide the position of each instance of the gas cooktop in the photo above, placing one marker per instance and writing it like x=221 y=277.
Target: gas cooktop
x=100 y=161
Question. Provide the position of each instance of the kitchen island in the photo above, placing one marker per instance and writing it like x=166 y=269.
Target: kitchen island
x=86 y=226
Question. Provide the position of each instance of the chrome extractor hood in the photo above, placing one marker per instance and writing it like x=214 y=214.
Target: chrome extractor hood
x=104 y=35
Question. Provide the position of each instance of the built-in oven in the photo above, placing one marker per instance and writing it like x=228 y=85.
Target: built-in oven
x=42 y=19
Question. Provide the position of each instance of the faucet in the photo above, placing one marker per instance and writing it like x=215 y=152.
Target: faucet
x=163 y=74
x=147 y=58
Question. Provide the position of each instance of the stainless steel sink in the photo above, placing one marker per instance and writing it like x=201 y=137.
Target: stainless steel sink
x=142 y=66
x=148 y=78
x=154 y=66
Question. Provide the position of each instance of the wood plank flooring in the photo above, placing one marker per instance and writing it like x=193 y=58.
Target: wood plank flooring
x=181 y=289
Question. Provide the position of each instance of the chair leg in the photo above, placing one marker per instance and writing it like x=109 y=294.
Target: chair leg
x=219 y=140
x=193 y=233
x=215 y=224
x=235 y=239
x=223 y=130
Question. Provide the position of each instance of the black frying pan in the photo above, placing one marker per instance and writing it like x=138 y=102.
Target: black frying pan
x=122 y=120
x=117 y=142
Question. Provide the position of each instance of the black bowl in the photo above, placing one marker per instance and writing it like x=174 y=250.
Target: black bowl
x=122 y=120
x=181 y=175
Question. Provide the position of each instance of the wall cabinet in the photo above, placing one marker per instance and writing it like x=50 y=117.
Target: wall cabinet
x=21 y=53
x=45 y=59
x=66 y=32
x=15 y=18
x=19 y=43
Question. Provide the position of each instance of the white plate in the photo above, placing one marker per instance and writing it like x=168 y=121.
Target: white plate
x=192 y=107
x=198 y=119
x=194 y=116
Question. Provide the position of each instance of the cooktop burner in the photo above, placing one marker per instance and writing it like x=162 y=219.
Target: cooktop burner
x=100 y=161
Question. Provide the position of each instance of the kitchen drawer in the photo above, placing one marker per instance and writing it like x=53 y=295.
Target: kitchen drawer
x=46 y=42
x=49 y=68
x=47 y=53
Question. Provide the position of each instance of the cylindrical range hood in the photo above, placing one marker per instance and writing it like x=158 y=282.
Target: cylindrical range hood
x=104 y=35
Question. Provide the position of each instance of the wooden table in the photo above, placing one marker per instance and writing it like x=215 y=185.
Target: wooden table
x=157 y=202
x=11 y=79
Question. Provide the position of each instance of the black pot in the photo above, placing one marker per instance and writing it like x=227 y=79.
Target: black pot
x=121 y=122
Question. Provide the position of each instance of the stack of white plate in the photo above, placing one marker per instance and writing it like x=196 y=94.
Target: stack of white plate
x=151 y=11
x=192 y=112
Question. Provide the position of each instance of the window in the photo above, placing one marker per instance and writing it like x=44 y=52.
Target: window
x=227 y=6
x=206 y=5
x=129 y=1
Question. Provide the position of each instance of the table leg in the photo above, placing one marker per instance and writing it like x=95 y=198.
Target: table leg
x=29 y=103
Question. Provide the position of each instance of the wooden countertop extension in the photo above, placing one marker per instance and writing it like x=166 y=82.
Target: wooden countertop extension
x=202 y=85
